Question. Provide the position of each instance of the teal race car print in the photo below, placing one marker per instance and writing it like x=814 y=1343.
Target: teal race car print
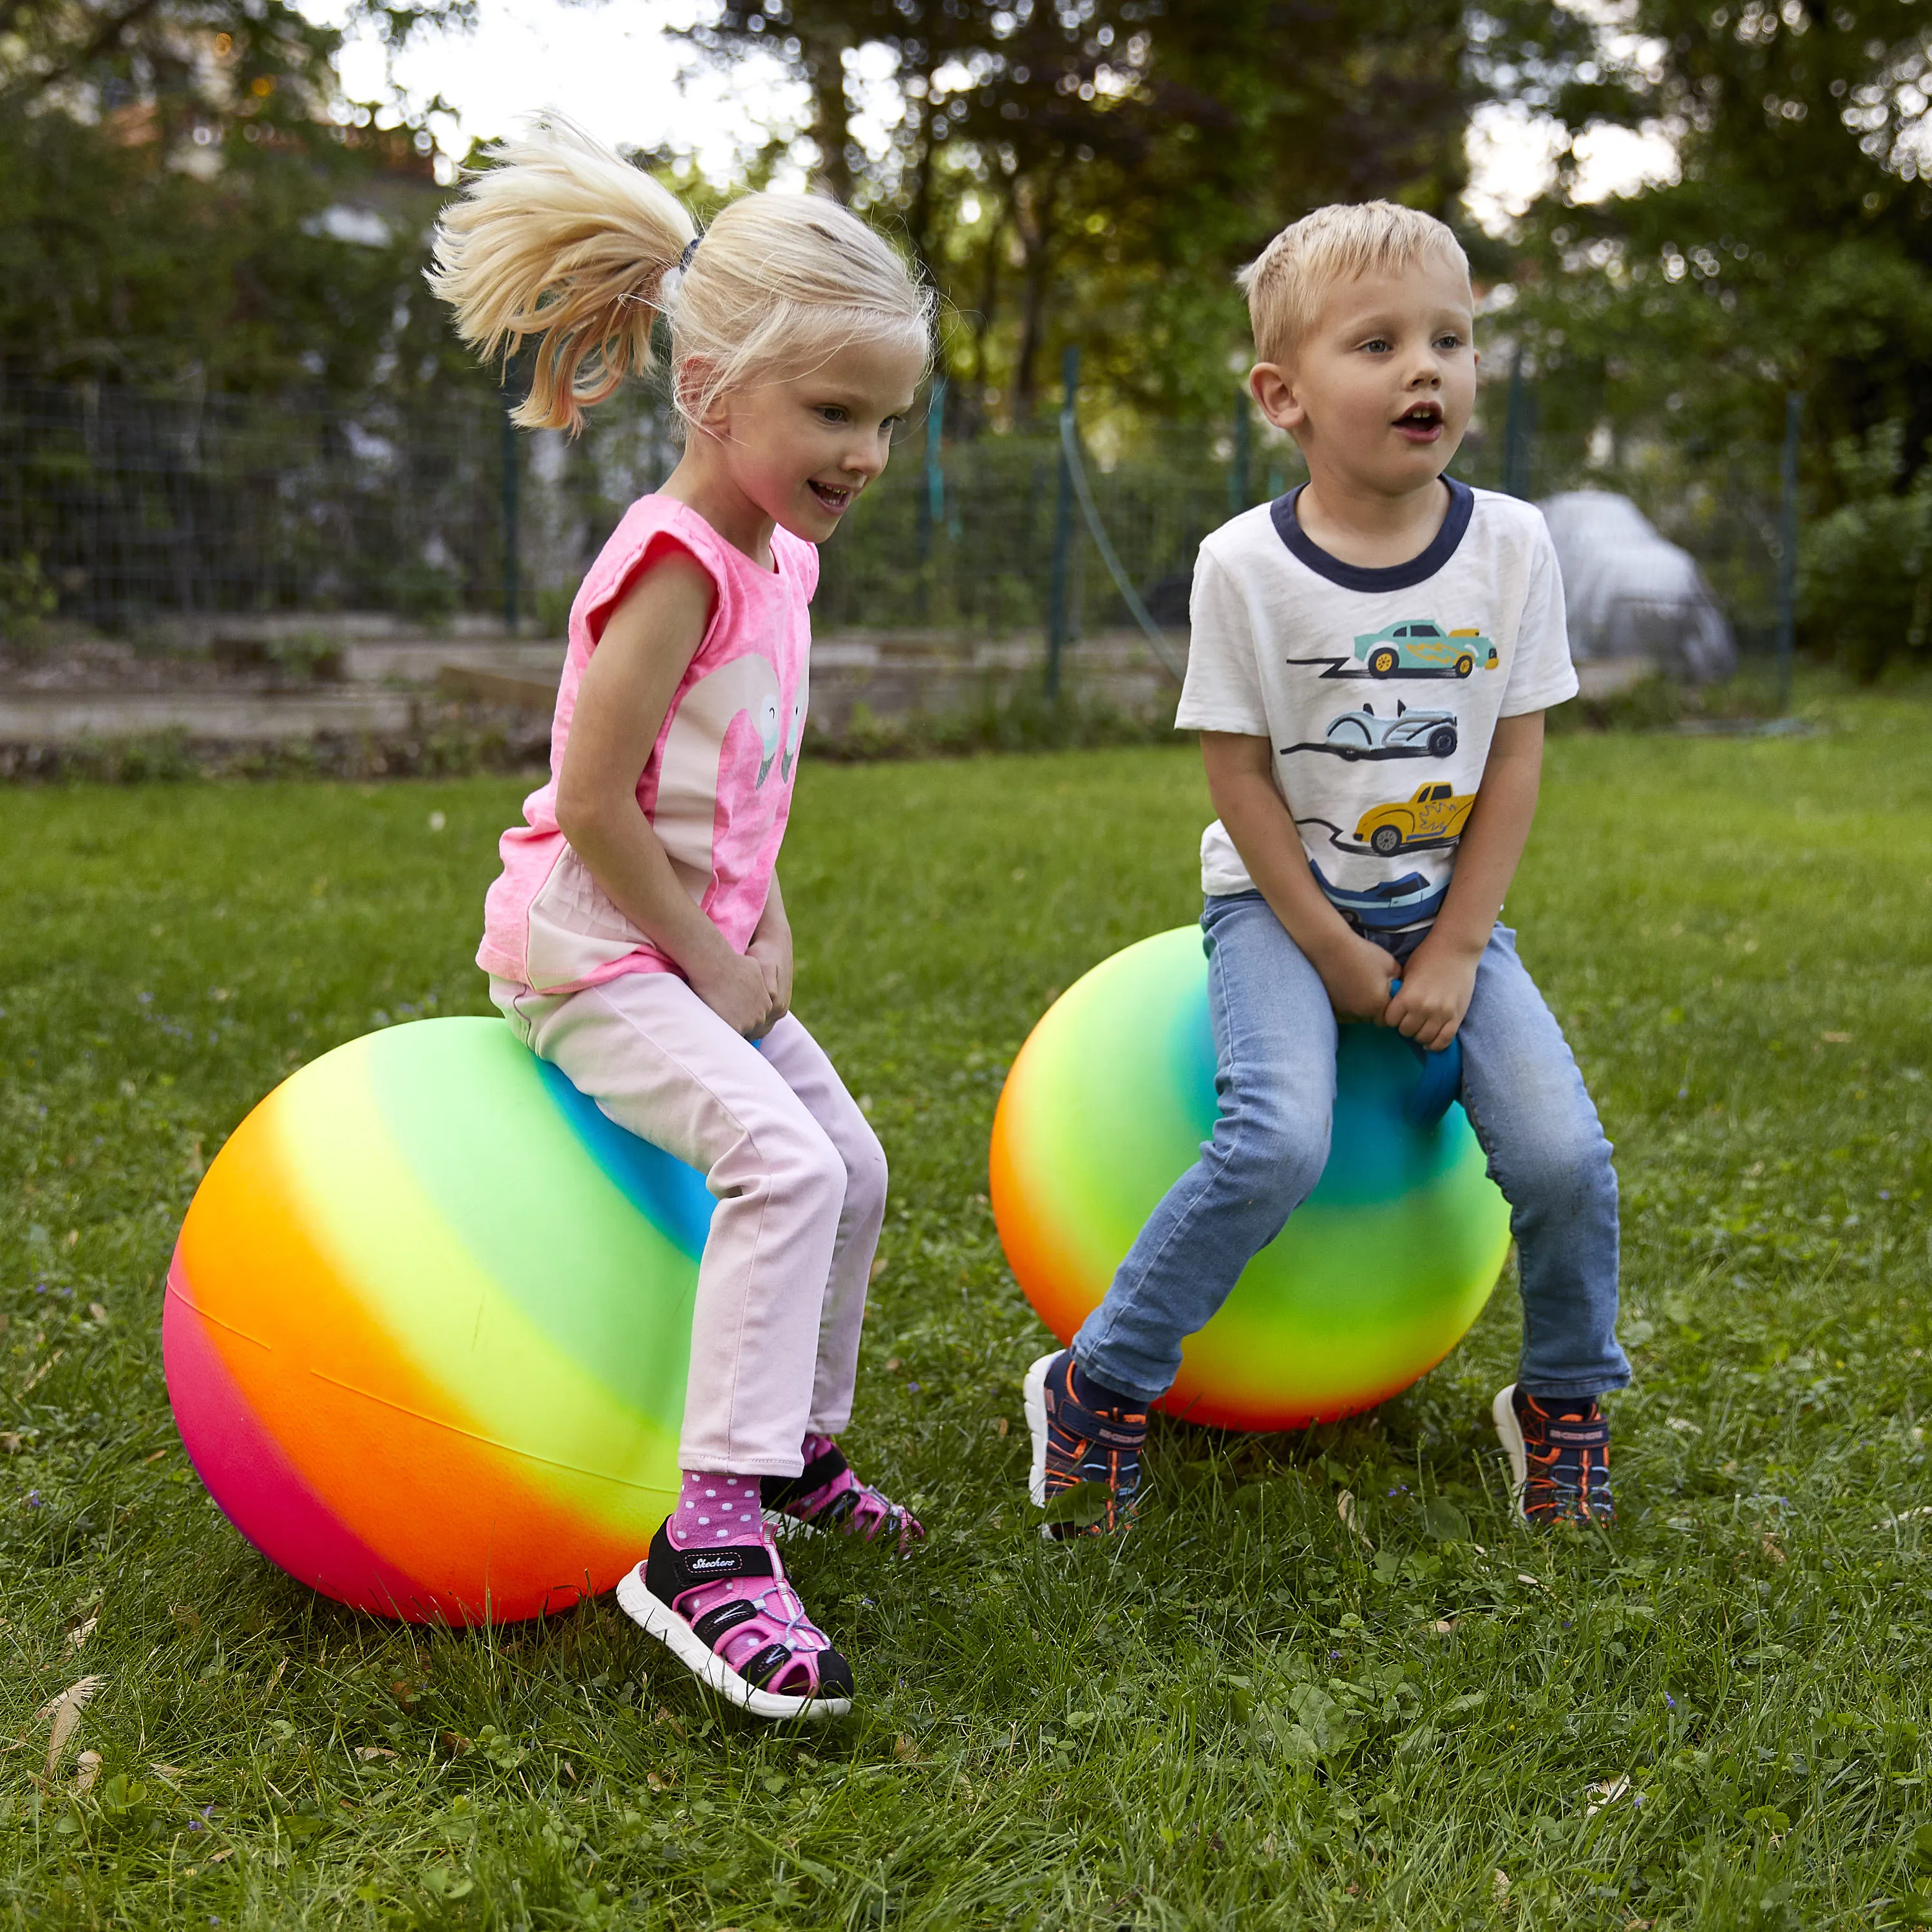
x=1418 y=643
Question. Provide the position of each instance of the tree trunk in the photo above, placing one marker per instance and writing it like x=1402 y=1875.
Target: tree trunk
x=831 y=129
x=1033 y=221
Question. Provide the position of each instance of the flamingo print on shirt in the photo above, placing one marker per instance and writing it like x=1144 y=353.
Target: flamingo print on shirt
x=685 y=816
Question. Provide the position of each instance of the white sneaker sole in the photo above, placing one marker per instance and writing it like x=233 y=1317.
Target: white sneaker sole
x=683 y=1642
x=1502 y=1413
x=1034 y=1396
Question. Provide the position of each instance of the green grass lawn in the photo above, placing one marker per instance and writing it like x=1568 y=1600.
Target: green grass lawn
x=1244 y=1715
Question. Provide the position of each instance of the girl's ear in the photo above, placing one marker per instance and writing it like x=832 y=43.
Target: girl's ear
x=706 y=408
x=1271 y=387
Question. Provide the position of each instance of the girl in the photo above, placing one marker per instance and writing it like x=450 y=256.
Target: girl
x=637 y=936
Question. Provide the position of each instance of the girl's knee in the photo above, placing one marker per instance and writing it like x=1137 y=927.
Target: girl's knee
x=864 y=1161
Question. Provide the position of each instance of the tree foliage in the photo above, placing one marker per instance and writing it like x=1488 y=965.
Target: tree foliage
x=1793 y=249
x=1093 y=171
x=172 y=179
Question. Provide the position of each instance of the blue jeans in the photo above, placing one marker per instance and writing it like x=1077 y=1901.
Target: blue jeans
x=1274 y=1034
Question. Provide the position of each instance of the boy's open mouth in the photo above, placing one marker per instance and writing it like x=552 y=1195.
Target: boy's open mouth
x=832 y=497
x=1421 y=422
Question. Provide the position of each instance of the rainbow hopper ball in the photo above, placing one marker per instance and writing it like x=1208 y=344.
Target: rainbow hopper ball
x=427 y=1328
x=1376 y=1276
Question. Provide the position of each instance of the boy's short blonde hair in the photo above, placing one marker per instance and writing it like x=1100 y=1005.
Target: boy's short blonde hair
x=1285 y=282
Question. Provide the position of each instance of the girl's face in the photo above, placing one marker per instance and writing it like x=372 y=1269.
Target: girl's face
x=1381 y=390
x=802 y=449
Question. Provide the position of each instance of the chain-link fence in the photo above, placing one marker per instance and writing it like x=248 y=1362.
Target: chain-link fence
x=134 y=513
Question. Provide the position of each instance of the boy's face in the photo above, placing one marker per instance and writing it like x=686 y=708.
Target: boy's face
x=1378 y=392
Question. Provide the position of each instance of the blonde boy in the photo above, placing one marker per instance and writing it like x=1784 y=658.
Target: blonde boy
x=1371 y=657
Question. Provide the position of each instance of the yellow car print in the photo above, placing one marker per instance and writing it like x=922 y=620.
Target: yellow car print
x=1434 y=815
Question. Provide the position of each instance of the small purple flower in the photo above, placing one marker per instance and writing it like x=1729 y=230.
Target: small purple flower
x=913 y=1387
x=34 y=1499
x=1670 y=1700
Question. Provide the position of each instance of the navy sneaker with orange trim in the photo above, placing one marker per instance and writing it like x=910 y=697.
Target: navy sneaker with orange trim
x=1559 y=1452
x=1082 y=1435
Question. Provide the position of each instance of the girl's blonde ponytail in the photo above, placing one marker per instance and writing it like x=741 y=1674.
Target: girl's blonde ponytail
x=563 y=241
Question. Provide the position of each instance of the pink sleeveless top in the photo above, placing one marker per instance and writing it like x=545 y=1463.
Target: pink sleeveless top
x=717 y=787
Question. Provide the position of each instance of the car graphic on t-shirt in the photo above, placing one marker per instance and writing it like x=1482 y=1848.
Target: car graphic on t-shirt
x=1434 y=816
x=1408 y=734
x=1418 y=643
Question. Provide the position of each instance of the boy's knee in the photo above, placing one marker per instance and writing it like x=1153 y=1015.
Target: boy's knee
x=1568 y=1173
x=1276 y=1151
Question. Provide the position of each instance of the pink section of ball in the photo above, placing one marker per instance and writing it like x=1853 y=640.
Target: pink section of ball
x=258 y=1489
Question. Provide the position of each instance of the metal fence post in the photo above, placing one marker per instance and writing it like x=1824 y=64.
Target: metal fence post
x=1238 y=468
x=1518 y=426
x=1787 y=546
x=929 y=506
x=1062 y=528
x=510 y=585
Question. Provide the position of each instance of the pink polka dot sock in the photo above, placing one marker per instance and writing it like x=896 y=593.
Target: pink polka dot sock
x=713 y=1509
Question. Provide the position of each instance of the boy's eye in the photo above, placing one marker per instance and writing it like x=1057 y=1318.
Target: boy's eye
x=834 y=413
x=1450 y=341
x=1379 y=345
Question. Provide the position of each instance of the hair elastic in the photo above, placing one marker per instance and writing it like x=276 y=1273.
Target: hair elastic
x=690 y=250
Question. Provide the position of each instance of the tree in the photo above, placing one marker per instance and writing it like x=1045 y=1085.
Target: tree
x=168 y=173
x=1094 y=170
x=1793 y=249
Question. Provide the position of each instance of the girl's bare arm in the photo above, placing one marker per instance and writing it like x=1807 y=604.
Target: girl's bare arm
x=647 y=646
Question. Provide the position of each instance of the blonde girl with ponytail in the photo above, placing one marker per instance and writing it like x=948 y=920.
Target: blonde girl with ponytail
x=636 y=936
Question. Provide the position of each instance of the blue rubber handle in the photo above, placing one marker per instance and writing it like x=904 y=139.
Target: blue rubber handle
x=1441 y=1080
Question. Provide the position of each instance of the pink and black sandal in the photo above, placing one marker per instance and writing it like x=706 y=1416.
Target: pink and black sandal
x=729 y=1616
x=826 y=1495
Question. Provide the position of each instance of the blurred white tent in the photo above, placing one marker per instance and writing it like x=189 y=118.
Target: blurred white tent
x=1633 y=594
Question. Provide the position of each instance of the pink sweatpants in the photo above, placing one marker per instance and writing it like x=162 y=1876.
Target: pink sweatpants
x=800 y=1179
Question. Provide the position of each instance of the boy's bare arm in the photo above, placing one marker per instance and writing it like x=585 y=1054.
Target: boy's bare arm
x=1441 y=973
x=1240 y=780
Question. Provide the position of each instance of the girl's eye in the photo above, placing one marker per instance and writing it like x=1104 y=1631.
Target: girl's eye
x=832 y=413
x=1379 y=345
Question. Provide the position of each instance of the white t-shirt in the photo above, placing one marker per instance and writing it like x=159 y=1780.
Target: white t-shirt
x=1379 y=689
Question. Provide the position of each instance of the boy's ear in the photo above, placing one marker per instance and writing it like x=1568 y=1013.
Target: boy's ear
x=1272 y=387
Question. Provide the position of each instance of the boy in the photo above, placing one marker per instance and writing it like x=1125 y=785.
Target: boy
x=1382 y=630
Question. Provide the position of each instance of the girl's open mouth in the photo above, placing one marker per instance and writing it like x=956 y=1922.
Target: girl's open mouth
x=831 y=496
x=1422 y=423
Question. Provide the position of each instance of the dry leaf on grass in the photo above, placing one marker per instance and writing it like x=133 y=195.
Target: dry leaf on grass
x=1607 y=1794
x=1499 y=1882
x=369 y=1754
x=188 y=1622
x=9 y=1442
x=40 y=1374
x=81 y=1633
x=1345 y=1507
x=1682 y=1424
x=86 y=1769
x=65 y=1712
x=99 y=1313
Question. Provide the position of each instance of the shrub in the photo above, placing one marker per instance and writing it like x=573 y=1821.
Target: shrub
x=1865 y=585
